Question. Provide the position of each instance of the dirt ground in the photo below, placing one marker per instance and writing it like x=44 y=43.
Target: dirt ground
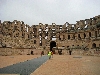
x=9 y=60
x=70 y=65
x=59 y=64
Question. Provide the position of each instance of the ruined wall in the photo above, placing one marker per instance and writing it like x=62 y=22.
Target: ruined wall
x=84 y=35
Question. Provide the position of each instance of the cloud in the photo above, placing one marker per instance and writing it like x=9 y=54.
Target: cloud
x=48 y=11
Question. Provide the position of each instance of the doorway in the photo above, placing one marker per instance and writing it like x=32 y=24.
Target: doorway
x=52 y=44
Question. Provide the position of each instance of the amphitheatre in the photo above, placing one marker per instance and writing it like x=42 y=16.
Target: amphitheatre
x=17 y=38
x=76 y=48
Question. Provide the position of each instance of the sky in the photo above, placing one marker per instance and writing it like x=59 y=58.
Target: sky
x=33 y=12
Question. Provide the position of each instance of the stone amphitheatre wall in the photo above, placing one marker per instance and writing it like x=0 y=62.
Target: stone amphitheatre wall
x=12 y=51
x=19 y=38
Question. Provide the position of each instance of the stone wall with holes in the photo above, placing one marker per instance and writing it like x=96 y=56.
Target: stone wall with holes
x=85 y=35
x=12 y=51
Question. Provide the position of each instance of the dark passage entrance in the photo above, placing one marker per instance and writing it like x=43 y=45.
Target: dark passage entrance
x=52 y=44
x=32 y=53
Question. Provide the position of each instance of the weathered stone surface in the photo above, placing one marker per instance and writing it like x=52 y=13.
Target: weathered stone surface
x=84 y=35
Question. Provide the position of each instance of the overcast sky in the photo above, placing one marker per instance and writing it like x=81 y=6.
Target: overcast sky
x=33 y=12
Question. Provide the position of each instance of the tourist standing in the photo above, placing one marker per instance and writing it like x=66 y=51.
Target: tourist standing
x=49 y=54
x=42 y=53
x=70 y=51
x=52 y=54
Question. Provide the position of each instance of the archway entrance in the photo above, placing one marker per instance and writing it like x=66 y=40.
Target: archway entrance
x=52 y=44
x=32 y=53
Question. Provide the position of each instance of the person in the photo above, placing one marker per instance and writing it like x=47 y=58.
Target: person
x=49 y=54
x=52 y=53
x=42 y=53
x=70 y=52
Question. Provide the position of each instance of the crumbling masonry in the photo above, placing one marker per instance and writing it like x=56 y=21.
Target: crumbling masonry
x=84 y=35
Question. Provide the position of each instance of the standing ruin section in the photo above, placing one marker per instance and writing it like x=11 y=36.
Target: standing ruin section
x=79 y=37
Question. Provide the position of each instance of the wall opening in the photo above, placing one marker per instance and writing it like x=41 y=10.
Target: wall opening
x=95 y=33
x=68 y=37
x=52 y=44
x=79 y=37
x=84 y=35
x=32 y=53
x=53 y=38
x=40 y=43
x=93 y=45
x=34 y=41
x=89 y=34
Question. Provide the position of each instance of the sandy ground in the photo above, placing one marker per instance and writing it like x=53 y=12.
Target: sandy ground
x=59 y=64
x=9 y=60
x=70 y=65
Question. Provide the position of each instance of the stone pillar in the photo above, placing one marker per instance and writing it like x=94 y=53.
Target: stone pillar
x=71 y=36
x=82 y=35
x=87 y=35
x=92 y=33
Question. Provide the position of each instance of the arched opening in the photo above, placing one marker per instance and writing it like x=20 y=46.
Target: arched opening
x=68 y=37
x=89 y=34
x=79 y=37
x=93 y=45
x=32 y=53
x=52 y=44
x=95 y=33
x=84 y=35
